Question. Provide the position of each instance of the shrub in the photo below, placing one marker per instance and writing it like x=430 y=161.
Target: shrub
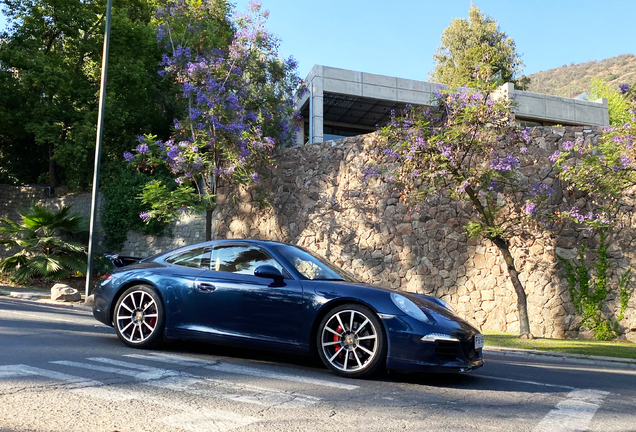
x=589 y=291
x=43 y=237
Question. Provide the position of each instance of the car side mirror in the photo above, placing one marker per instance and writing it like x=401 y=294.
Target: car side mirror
x=268 y=271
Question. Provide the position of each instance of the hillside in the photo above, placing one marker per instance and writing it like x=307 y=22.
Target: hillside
x=572 y=80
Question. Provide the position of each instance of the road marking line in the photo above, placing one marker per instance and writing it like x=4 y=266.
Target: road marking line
x=39 y=316
x=246 y=370
x=142 y=376
x=527 y=382
x=193 y=419
x=108 y=393
x=238 y=369
x=148 y=369
x=573 y=414
x=181 y=381
x=170 y=359
x=12 y=371
x=23 y=370
x=208 y=421
x=228 y=390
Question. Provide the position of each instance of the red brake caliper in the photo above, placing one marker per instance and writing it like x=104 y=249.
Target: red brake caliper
x=152 y=321
x=336 y=338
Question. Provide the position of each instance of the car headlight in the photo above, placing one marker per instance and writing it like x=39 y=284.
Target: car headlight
x=409 y=308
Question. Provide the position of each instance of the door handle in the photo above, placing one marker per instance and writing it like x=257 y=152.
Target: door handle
x=207 y=287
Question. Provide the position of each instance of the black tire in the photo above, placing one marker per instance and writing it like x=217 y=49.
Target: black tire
x=354 y=352
x=139 y=317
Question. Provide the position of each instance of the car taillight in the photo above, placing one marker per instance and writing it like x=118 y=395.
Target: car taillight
x=106 y=277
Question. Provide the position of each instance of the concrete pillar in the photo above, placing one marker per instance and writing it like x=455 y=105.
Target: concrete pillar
x=506 y=91
x=316 y=111
x=300 y=135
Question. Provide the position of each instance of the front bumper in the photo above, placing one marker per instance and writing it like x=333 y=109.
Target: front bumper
x=408 y=352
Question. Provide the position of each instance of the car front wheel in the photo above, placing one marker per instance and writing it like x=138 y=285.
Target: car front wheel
x=139 y=317
x=351 y=341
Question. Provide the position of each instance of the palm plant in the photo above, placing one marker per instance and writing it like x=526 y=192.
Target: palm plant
x=44 y=249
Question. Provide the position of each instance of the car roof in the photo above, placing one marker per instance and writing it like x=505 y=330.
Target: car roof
x=163 y=255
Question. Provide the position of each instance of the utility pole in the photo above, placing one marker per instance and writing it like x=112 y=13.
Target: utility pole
x=98 y=148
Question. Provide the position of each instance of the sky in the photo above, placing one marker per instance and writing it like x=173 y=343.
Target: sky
x=399 y=37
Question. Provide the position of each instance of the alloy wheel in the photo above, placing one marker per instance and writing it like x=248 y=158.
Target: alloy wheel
x=349 y=341
x=137 y=316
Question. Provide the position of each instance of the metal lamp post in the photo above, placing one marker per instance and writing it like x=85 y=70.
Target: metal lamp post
x=98 y=148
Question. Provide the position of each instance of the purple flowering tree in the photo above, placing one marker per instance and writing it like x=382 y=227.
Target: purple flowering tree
x=238 y=98
x=604 y=172
x=467 y=148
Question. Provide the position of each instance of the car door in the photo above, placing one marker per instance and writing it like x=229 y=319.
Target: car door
x=235 y=303
x=178 y=282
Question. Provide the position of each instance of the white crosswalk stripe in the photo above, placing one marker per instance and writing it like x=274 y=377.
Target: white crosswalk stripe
x=238 y=369
x=241 y=393
x=24 y=370
x=208 y=420
x=573 y=414
x=192 y=384
x=151 y=374
x=192 y=418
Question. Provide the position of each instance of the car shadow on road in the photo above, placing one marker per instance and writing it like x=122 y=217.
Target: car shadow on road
x=314 y=365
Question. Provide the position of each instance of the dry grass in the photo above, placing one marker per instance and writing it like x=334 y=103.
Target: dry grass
x=572 y=80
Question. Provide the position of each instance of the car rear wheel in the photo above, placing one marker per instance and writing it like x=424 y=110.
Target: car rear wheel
x=139 y=317
x=351 y=341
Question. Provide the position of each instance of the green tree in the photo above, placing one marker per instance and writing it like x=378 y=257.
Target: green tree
x=49 y=81
x=239 y=98
x=44 y=249
x=616 y=102
x=476 y=49
x=604 y=170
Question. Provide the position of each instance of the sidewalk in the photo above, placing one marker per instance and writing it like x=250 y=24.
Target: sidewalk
x=40 y=297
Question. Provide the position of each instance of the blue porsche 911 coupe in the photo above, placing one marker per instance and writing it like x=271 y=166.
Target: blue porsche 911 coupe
x=264 y=294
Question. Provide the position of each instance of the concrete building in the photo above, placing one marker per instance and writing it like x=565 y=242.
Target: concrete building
x=343 y=103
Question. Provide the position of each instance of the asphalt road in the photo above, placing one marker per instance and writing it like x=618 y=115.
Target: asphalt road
x=60 y=370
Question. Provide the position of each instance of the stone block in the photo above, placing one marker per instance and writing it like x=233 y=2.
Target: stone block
x=64 y=293
x=487 y=294
x=480 y=261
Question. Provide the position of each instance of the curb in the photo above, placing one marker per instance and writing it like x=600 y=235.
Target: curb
x=581 y=359
x=42 y=298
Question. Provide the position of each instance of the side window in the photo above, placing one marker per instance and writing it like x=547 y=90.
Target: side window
x=242 y=259
x=197 y=258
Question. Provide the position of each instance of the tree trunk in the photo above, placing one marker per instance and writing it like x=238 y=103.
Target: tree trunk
x=522 y=303
x=208 y=223
x=209 y=211
x=52 y=174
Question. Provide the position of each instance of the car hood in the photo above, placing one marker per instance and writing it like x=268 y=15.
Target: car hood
x=441 y=315
x=424 y=301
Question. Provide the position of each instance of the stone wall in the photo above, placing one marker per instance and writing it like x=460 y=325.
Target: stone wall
x=15 y=198
x=189 y=230
x=321 y=201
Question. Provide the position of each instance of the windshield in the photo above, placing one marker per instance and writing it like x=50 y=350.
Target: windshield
x=310 y=266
